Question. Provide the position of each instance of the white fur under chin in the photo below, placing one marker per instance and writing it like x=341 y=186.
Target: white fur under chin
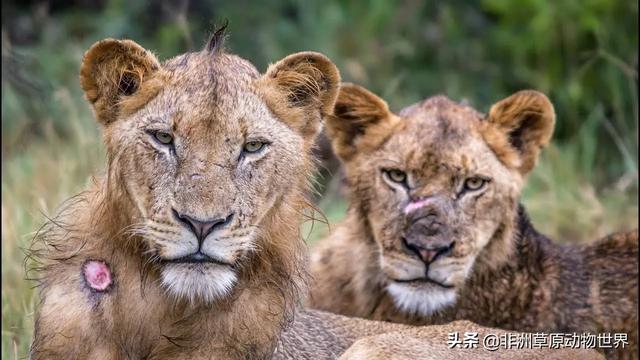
x=419 y=301
x=207 y=285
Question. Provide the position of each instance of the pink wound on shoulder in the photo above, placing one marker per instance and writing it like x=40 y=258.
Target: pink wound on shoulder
x=97 y=275
x=415 y=205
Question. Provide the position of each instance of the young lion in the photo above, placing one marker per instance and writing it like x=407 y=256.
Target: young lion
x=188 y=247
x=434 y=231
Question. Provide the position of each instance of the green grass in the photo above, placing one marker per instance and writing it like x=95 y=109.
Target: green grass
x=34 y=183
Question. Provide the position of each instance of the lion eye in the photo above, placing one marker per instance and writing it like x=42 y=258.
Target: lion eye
x=253 y=146
x=474 y=183
x=397 y=176
x=163 y=137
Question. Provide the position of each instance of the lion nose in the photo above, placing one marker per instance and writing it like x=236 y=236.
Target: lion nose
x=427 y=254
x=202 y=228
x=428 y=225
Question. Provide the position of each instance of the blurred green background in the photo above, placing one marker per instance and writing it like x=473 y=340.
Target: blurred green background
x=582 y=53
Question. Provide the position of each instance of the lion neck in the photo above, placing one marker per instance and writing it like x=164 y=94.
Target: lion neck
x=272 y=280
x=504 y=294
x=516 y=250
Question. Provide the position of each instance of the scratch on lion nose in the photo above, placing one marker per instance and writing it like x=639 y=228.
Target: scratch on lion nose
x=195 y=176
x=417 y=204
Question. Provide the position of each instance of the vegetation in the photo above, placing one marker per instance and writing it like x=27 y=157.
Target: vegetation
x=582 y=53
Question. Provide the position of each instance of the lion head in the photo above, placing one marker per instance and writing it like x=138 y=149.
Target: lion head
x=207 y=153
x=437 y=185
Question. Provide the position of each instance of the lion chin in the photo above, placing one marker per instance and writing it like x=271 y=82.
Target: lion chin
x=421 y=300
x=198 y=282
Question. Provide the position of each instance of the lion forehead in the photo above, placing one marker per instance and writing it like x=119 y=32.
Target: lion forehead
x=442 y=136
x=213 y=81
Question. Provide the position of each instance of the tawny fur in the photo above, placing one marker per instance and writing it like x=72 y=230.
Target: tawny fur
x=499 y=271
x=418 y=343
x=211 y=103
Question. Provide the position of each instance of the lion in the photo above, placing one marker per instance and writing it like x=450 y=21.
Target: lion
x=435 y=232
x=188 y=246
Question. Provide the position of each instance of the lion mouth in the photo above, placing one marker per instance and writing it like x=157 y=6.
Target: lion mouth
x=197 y=258
x=423 y=280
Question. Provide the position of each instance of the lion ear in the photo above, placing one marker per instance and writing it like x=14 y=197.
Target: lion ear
x=359 y=122
x=519 y=127
x=302 y=89
x=113 y=69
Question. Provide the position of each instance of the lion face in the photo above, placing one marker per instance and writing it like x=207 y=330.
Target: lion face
x=210 y=177
x=435 y=183
x=205 y=149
